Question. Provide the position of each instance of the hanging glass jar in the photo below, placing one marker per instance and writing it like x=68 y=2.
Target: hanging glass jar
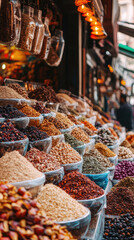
x=46 y=41
x=27 y=29
x=56 y=49
x=39 y=33
x=10 y=21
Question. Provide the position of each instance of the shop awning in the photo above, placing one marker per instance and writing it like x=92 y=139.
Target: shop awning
x=126 y=50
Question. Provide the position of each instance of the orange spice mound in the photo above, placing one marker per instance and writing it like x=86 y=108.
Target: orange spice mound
x=113 y=132
x=130 y=138
x=89 y=125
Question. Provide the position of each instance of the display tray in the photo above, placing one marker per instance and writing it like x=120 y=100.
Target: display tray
x=96 y=227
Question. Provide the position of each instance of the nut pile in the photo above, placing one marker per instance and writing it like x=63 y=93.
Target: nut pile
x=20 y=217
x=120 y=201
x=58 y=205
x=104 y=150
x=22 y=91
x=39 y=107
x=93 y=163
x=88 y=131
x=34 y=134
x=16 y=168
x=105 y=137
x=79 y=134
x=49 y=128
x=64 y=119
x=9 y=133
x=72 y=140
x=65 y=154
x=58 y=123
x=44 y=94
x=125 y=153
x=10 y=112
x=42 y=161
x=73 y=119
x=29 y=111
x=65 y=97
x=124 y=169
x=123 y=225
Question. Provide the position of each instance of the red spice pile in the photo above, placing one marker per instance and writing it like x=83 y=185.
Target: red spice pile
x=80 y=187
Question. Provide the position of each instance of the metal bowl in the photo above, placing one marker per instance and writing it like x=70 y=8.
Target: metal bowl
x=78 y=227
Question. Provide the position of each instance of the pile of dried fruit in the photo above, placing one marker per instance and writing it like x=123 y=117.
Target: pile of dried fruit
x=9 y=133
x=105 y=137
x=79 y=134
x=20 y=217
x=34 y=134
x=62 y=117
x=22 y=91
x=104 y=150
x=49 y=128
x=126 y=182
x=89 y=125
x=39 y=107
x=125 y=153
x=10 y=112
x=58 y=123
x=44 y=94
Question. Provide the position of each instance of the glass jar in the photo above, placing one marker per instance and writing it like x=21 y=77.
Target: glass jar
x=10 y=21
x=56 y=49
x=27 y=29
x=46 y=41
x=39 y=33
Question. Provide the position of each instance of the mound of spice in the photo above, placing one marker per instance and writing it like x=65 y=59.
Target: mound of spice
x=10 y=112
x=80 y=187
x=120 y=201
x=104 y=150
x=125 y=143
x=34 y=134
x=130 y=138
x=79 y=134
x=49 y=128
x=126 y=182
x=21 y=90
x=89 y=125
x=124 y=169
x=72 y=140
x=62 y=117
x=91 y=164
x=88 y=131
x=16 y=168
x=105 y=137
x=113 y=132
x=44 y=94
x=39 y=107
x=66 y=98
x=58 y=205
x=42 y=161
x=7 y=92
x=65 y=154
x=9 y=133
x=29 y=111
x=22 y=218
x=119 y=228
x=58 y=123
x=73 y=119
x=125 y=153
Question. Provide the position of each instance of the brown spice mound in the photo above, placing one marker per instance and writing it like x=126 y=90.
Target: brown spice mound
x=126 y=182
x=49 y=128
x=79 y=134
x=7 y=92
x=29 y=111
x=22 y=91
x=65 y=154
x=120 y=201
x=16 y=168
x=104 y=150
x=58 y=205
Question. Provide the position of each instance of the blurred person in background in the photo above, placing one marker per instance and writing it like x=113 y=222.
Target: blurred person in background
x=124 y=113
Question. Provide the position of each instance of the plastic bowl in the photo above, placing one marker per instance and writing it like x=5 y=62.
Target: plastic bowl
x=78 y=227
x=54 y=176
x=81 y=149
x=20 y=146
x=43 y=145
x=128 y=159
x=53 y=106
x=100 y=179
x=114 y=160
x=111 y=170
x=36 y=121
x=115 y=147
x=20 y=122
x=95 y=205
x=2 y=120
x=33 y=186
x=92 y=120
x=57 y=139
x=67 y=129
x=73 y=166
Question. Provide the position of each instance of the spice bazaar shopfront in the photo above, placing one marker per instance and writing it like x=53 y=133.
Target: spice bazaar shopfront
x=65 y=165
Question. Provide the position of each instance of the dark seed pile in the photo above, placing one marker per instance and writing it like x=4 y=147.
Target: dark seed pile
x=34 y=134
x=9 y=133
x=10 y=112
